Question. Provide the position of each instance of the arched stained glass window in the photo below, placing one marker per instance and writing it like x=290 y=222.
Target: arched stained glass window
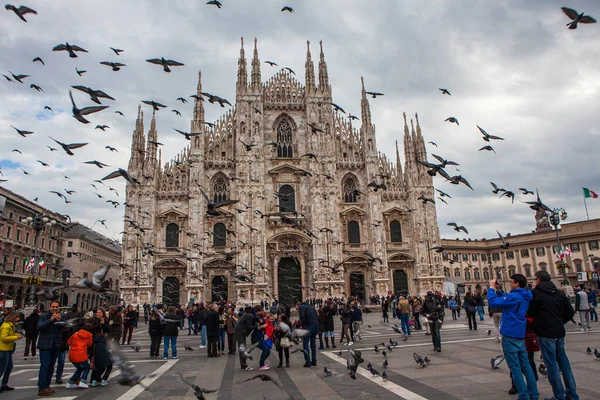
x=220 y=190
x=172 y=236
x=395 y=232
x=284 y=139
x=349 y=188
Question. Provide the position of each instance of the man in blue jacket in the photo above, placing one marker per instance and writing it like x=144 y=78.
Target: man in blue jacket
x=514 y=307
x=308 y=318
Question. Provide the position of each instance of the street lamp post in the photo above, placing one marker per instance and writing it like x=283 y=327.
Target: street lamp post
x=38 y=222
x=557 y=215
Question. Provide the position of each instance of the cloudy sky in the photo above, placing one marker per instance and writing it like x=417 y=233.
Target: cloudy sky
x=512 y=67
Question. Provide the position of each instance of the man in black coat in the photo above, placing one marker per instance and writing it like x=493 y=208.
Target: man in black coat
x=550 y=309
x=309 y=320
x=31 y=333
x=49 y=344
x=244 y=327
x=211 y=321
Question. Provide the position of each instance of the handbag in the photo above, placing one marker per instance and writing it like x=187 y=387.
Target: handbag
x=285 y=342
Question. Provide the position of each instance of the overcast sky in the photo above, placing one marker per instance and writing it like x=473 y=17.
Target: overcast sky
x=512 y=67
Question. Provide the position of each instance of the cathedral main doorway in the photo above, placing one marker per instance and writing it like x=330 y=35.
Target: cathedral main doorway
x=219 y=288
x=357 y=285
x=171 y=291
x=400 y=281
x=289 y=281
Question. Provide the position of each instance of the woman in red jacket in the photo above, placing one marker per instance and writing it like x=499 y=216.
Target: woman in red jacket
x=79 y=344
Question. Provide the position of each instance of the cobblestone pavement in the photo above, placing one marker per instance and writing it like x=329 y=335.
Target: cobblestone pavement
x=461 y=371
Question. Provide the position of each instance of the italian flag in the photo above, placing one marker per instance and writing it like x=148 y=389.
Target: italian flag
x=29 y=262
x=42 y=263
x=589 y=193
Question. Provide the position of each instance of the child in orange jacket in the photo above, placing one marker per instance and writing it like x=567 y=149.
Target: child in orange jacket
x=79 y=343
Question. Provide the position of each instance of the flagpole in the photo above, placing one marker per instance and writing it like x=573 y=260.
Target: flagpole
x=585 y=204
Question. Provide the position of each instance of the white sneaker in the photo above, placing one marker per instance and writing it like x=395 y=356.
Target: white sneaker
x=351 y=344
x=201 y=347
x=103 y=383
x=71 y=385
x=83 y=385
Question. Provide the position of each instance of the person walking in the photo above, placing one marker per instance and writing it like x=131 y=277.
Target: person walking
x=452 y=305
x=79 y=343
x=385 y=306
x=308 y=318
x=114 y=324
x=329 y=313
x=479 y=303
x=357 y=321
x=170 y=333
x=404 y=314
x=496 y=315
x=155 y=330
x=432 y=310
x=513 y=326
x=102 y=362
x=266 y=343
x=201 y=313
x=31 y=333
x=211 y=322
x=282 y=342
x=593 y=304
x=416 y=309
x=49 y=345
x=551 y=309
x=471 y=309
x=8 y=338
x=129 y=319
x=246 y=324
x=222 y=331
x=583 y=308
x=346 y=318
x=230 y=321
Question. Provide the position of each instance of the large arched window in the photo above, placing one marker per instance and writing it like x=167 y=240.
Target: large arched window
x=349 y=190
x=219 y=235
x=353 y=232
x=220 y=189
x=172 y=235
x=284 y=139
x=395 y=232
x=287 y=199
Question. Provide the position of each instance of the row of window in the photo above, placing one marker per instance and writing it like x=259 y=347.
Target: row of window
x=19 y=237
x=220 y=234
x=510 y=255
x=94 y=249
x=19 y=265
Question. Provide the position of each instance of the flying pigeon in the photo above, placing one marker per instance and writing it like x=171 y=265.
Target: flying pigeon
x=496 y=361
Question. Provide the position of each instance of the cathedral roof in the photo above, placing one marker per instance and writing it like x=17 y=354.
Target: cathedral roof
x=283 y=90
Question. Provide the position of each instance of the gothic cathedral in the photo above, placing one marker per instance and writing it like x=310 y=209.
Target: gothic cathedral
x=321 y=212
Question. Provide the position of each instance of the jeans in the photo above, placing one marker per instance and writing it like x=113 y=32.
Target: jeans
x=405 y=324
x=47 y=361
x=454 y=313
x=266 y=352
x=203 y=335
x=312 y=339
x=435 y=334
x=584 y=318
x=81 y=371
x=30 y=342
x=60 y=364
x=221 y=340
x=515 y=354
x=173 y=341
x=417 y=320
x=191 y=326
x=6 y=365
x=480 y=312
x=593 y=313
x=556 y=361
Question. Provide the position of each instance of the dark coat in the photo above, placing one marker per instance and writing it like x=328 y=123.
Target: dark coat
x=246 y=324
x=171 y=327
x=114 y=328
x=130 y=317
x=308 y=317
x=478 y=300
x=329 y=324
x=102 y=357
x=550 y=309
x=30 y=325
x=155 y=328
x=49 y=334
x=212 y=321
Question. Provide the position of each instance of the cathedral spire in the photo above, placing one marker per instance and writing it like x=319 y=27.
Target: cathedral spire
x=323 y=75
x=398 y=163
x=137 y=141
x=255 y=68
x=151 y=147
x=409 y=157
x=365 y=110
x=198 y=121
x=309 y=69
x=242 y=78
x=420 y=141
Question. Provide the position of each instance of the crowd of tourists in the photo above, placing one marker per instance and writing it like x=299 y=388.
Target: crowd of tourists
x=526 y=321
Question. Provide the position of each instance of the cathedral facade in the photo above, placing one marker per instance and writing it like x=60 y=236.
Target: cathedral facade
x=307 y=223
